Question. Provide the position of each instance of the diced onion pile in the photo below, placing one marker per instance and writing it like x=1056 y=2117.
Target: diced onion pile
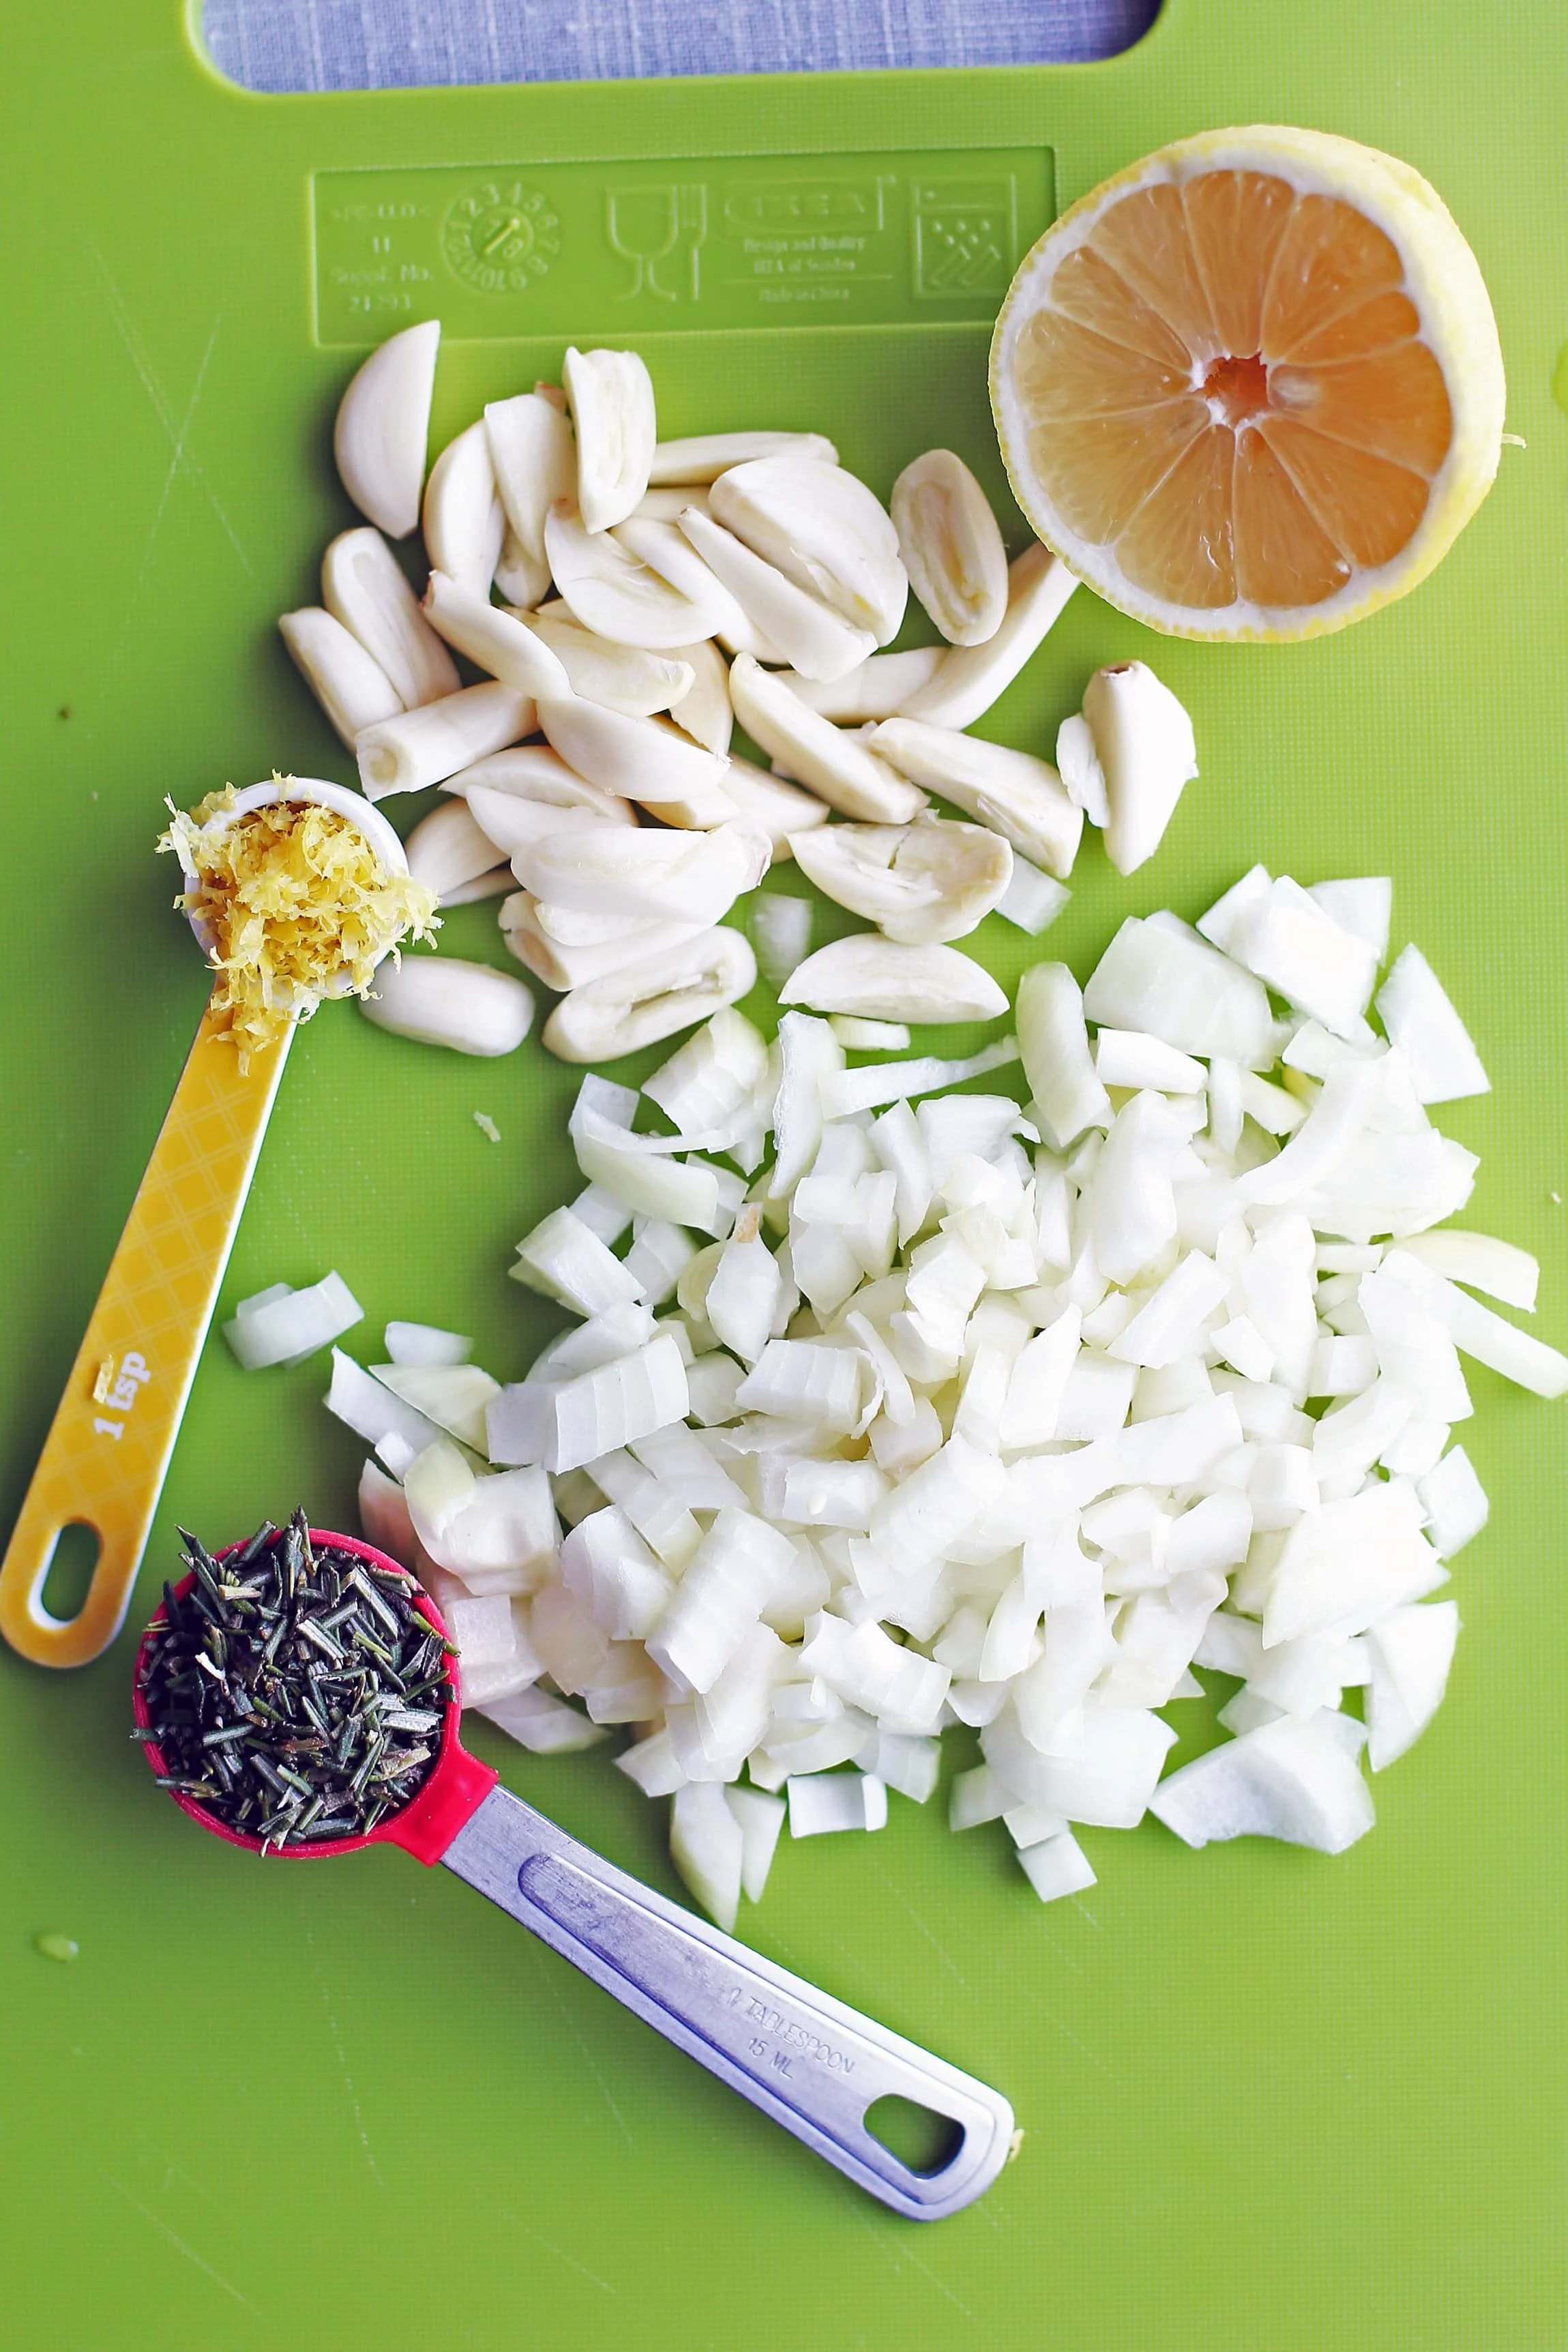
x=891 y=1407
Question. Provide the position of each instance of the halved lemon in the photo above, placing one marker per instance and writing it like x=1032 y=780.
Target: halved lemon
x=1250 y=387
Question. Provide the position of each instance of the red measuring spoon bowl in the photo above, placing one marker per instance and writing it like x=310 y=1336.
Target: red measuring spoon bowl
x=458 y=1783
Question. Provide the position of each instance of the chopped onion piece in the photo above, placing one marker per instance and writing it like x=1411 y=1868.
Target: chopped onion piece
x=283 y=1326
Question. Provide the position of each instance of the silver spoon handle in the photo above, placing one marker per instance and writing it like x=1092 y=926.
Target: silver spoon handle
x=808 y=2061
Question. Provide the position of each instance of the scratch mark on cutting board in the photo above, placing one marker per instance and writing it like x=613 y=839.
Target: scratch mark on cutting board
x=940 y=1949
x=543 y=1970
x=901 y=2252
x=184 y=457
x=343 y=2059
x=175 y=463
x=188 y=2251
x=562 y=2256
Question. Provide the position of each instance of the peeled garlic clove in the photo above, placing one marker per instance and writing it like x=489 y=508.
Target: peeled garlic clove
x=782 y=927
x=652 y=999
x=878 y=689
x=771 y=807
x=1145 y=743
x=562 y=967
x=575 y=927
x=511 y=821
x=383 y=420
x=532 y=774
x=882 y=980
x=809 y=633
x=493 y=639
x=493 y=883
x=667 y=505
x=919 y=883
x=838 y=768
x=824 y=531
x=703 y=711
x=667 y=551
x=638 y=759
x=522 y=580
x=533 y=455
x=448 y=848
x=623 y=678
x=349 y=684
x=440 y=1001
x=364 y=586
x=610 y=395
x=705 y=455
x=610 y=587
x=952 y=547
x=464 y=524
x=1078 y=763
x=1019 y=796
x=970 y=677
x=427 y=745
x=646 y=876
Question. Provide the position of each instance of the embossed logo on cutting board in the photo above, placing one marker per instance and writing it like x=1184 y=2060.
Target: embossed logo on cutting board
x=500 y=236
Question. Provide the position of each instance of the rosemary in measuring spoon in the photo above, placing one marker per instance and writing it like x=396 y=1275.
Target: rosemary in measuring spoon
x=295 y=1691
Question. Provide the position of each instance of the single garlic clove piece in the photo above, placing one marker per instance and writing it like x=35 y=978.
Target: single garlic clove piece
x=952 y=547
x=664 y=548
x=782 y=927
x=422 y=747
x=558 y=804
x=464 y=524
x=533 y=455
x=1078 y=763
x=646 y=876
x=610 y=395
x=667 y=505
x=523 y=580
x=705 y=712
x=575 y=967
x=969 y=678
x=878 y=689
x=364 y=586
x=838 y=768
x=823 y=530
x=610 y=588
x=575 y=927
x=1019 y=796
x=652 y=999
x=383 y=422
x=882 y=980
x=493 y=883
x=448 y=849
x=705 y=455
x=493 y=639
x=440 y=1001
x=349 y=684
x=1145 y=743
x=623 y=678
x=920 y=884
x=639 y=758
x=806 y=631
x=768 y=805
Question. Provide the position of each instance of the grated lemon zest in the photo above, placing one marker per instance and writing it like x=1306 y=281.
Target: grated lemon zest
x=297 y=907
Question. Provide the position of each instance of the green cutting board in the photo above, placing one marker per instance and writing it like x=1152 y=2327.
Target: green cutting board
x=1270 y=2101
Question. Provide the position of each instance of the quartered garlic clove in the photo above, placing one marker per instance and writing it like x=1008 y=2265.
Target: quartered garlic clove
x=705 y=456
x=1144 y=739
x=464 y=524
x=639 y=759
x=610 y=588
x=823 y=530
x=768 y=805
x=705 y=712
x=806 y=632
x=878 y=689
x=969 y=678
x=493 y=639
x=448 y=849
x=622 y=676
x=349 y=684
x=883 y=979
x=560 y=802
x=837 y=767
x=364 y=587
x=383 y=420
x=920 y=882
x=575 y=967
x=425 y=746
x=655 y=999
x=440 y=1001
x=533 y=455
x=952 y=547
x=1078 y=764
x=1019 y=796
x=646 y=876
x=610 y=395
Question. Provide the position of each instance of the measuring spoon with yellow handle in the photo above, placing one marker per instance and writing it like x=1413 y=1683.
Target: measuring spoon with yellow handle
x=107 y=1453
